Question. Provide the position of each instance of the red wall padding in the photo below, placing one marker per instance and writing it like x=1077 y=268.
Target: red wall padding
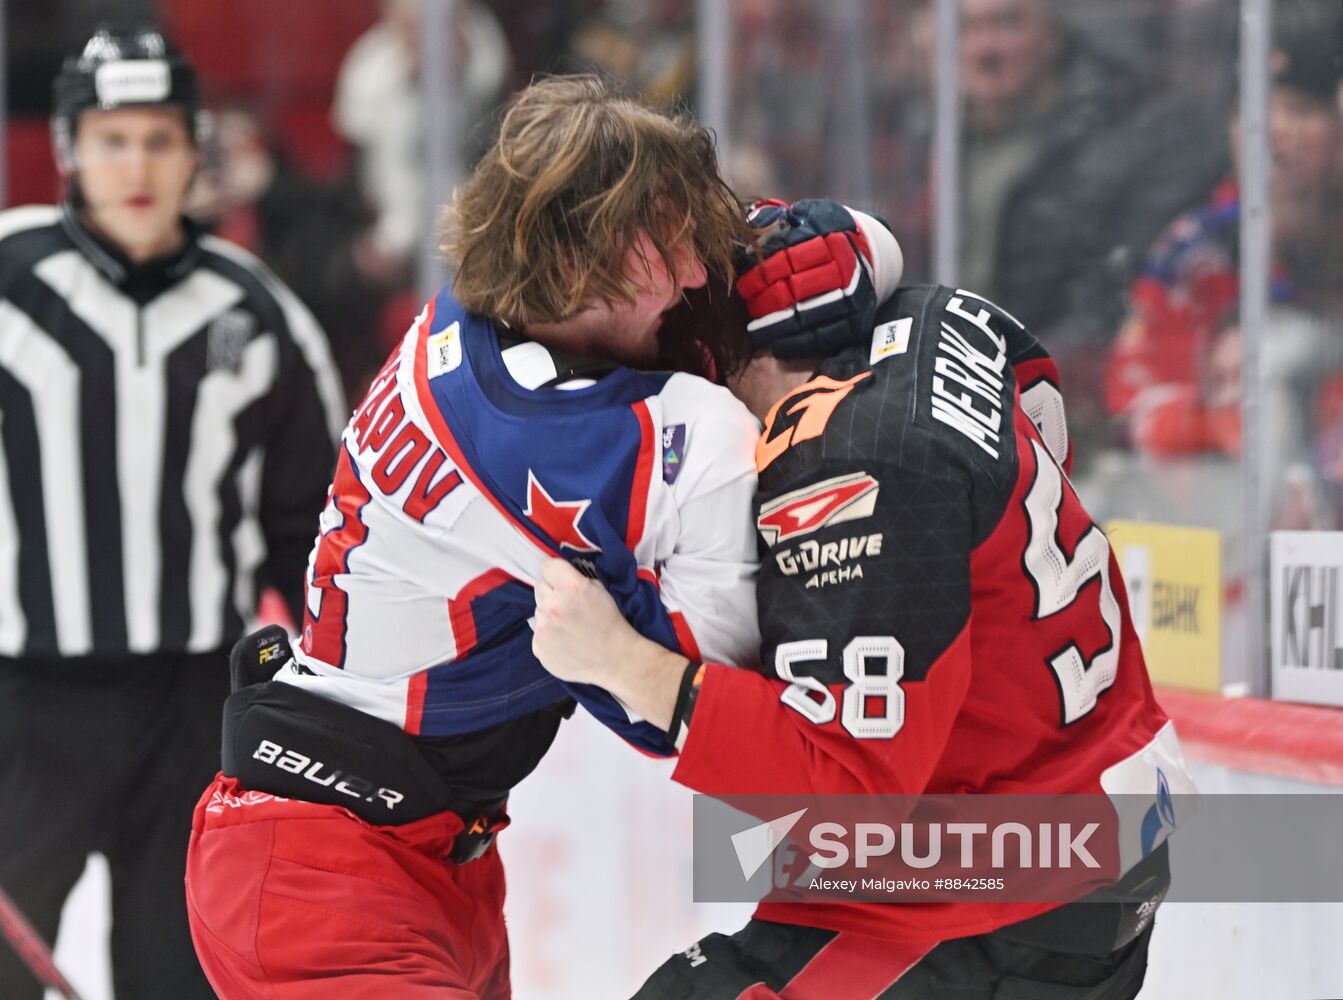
x=1301 y=742
x=278 y=56
x=30 y=172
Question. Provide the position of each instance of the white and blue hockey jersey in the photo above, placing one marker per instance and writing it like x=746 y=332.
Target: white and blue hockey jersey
x=462 y=470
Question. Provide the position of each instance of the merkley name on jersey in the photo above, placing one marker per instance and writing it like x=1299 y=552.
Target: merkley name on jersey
x=829 y=562
x=382 y=424
x=967 y=390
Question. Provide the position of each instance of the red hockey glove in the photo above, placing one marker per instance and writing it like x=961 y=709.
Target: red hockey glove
x=809 y=287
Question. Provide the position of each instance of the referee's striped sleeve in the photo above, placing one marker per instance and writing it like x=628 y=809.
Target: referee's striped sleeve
x=306 y=413
x=307 y=334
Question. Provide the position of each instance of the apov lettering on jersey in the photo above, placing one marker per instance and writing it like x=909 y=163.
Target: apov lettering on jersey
x=382 y=424
x=832 y=501
x=399 y=449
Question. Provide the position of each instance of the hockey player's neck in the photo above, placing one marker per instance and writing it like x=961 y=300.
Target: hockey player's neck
x=597 y=333
x=766 y=379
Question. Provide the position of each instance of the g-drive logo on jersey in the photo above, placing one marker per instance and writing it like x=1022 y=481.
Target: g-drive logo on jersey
x=801 y=512
x=844 y=498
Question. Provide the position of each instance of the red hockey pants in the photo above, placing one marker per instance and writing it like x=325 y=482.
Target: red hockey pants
x=296 y=901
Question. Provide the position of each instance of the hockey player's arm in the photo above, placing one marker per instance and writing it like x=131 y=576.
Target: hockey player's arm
x=582 y=638
x=707 y=585
x=866 y=653
x=698 y=599
x=863 y=673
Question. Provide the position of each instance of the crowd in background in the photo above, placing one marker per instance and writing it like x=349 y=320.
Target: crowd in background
x=1098 y=196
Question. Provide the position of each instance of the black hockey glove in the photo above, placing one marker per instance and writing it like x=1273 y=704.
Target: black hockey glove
x=809 y=286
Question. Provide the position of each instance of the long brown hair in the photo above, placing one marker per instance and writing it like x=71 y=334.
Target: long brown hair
x=543 y=225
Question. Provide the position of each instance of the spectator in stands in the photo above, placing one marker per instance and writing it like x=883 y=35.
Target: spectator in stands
x=251 y=193
x=782 y=79
x=1180 y=326
x=1301 y=392
x=901 y=41
x=1064 y=180
x=649 y=45
x=377 y=108
x=539 y=34
x=1038 y=104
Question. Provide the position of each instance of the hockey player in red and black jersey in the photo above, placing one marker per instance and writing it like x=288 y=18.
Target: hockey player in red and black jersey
x=913 y=505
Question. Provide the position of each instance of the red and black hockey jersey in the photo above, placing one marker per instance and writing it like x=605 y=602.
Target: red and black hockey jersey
x=938 y=612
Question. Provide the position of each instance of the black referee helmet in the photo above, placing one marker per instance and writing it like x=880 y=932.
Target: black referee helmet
x=122 y=66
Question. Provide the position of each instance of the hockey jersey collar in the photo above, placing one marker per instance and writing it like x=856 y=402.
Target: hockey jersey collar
x=142 y=280
x=612 y=386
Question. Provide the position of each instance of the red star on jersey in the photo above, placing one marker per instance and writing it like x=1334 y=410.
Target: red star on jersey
x=558 y=519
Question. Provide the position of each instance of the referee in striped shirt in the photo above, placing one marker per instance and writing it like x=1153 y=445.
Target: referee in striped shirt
x=167 y=417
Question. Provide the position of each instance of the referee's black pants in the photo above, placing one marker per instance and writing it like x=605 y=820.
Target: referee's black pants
x=108 y=755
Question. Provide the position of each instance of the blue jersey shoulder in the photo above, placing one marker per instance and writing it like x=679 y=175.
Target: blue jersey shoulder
x=572 y=468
